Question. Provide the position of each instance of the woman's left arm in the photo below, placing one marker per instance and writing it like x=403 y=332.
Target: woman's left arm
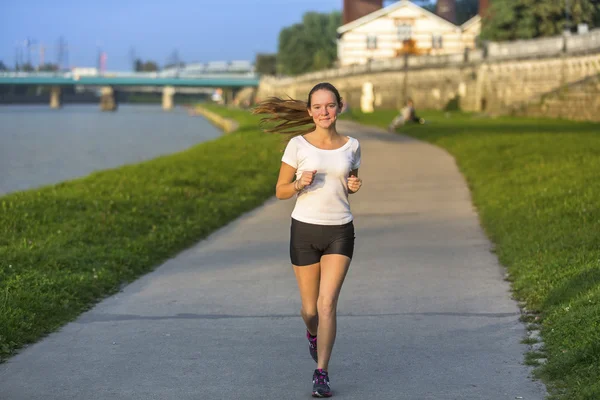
x=354 y=182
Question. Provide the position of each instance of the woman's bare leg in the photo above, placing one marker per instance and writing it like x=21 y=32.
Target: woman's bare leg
x=308 y=278
x=333 y=271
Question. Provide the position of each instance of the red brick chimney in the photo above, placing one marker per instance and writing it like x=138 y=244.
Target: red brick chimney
x=355 y=9
x=447 y=10
x=483 y=7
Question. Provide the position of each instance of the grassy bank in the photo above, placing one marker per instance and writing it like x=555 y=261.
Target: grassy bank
x=64 y=247
x=536 y=186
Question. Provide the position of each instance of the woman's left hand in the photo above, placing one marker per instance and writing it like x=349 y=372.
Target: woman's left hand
x=354 y=183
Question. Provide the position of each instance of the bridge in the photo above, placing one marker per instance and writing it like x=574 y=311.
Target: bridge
x=226 y=78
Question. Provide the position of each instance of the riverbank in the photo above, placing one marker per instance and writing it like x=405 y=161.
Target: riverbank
x=534 y=183
x=93 y=98
x=66 y=246
x=228 y=125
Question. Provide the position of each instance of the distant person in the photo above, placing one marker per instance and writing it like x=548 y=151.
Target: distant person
x=320 y=168
x=345 y=108
x=408 y=114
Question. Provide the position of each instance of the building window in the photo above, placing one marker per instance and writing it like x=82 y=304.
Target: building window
x=436 y=41
x=371 y=42
x=404 y=32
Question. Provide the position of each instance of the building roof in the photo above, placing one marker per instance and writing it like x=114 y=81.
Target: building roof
x=386 y=10
x=470 y=22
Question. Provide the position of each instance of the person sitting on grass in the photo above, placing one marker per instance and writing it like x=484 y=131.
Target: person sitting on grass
x=408 y=114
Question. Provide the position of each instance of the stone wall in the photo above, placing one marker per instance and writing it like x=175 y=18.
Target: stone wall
x=493 y=80
x=579 y=101
x=508 y=83
x=226 y=124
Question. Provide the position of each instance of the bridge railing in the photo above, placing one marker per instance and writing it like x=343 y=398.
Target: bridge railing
x=21 y=74
x=117 y=74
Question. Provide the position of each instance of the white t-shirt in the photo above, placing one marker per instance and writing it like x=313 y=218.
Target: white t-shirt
x=325 y=200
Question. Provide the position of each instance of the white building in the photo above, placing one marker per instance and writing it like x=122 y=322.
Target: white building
x=403 y=28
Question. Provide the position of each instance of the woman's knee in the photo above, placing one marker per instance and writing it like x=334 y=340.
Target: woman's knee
x=326 y=306
x=309 y=312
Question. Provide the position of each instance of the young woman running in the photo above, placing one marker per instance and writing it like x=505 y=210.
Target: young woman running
x=320 y=167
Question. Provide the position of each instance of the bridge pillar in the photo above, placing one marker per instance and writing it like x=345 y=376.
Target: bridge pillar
x=107 y=99
x=228 y=95
x=367 y=100
x=55 y=97
x=167 y=99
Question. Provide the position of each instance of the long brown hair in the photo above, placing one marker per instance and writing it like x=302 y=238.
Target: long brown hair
x=290 y=114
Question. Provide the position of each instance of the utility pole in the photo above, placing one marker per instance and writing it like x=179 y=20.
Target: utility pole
x=175 y=62
x=66 y=56
x=132 y=58
x=42 y=60
x=567 y=17
x=62 y=55
x=29 y=43
x=28 y=47
x=17 y=63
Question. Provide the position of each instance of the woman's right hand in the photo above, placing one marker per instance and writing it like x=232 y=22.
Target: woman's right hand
x=306 y=179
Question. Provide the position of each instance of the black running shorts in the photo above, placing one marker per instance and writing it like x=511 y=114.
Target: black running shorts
x=308 y=242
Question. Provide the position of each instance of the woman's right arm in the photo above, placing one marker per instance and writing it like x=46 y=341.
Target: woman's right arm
x=286 y=186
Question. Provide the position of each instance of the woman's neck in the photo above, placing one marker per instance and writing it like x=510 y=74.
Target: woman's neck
x=325 y=134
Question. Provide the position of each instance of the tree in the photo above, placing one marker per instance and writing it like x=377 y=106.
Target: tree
x=266 y=64
x=48 y=67
x=148 y=66
x=27 y=67
x=138 y=65
x=527 y=19
x=2 y=66
x=310 y=45
x=293 y=55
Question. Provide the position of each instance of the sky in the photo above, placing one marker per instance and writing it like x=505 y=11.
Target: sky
x=200 y=30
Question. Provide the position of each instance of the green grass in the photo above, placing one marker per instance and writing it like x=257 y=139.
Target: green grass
x=529 y=341
x=532 y=358
x=536 y=185
x=66 y=246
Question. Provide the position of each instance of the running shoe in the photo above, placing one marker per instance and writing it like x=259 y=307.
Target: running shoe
x=321 y=386
x=312 y=345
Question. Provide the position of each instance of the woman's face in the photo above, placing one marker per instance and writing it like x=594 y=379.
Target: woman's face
x=324 y=108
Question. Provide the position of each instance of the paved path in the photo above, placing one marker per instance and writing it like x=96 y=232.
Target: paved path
x=424 y=313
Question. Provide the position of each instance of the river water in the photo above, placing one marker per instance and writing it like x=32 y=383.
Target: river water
x=40 y=146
